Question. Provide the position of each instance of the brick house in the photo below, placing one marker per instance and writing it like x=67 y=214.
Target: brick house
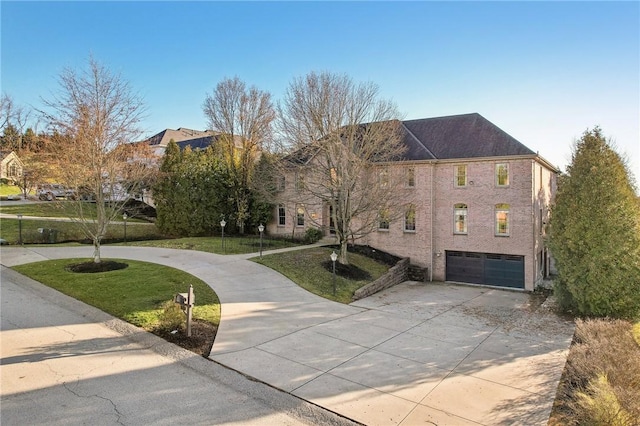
x=475 y=204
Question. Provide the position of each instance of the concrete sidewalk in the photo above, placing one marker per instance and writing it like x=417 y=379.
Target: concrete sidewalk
x=64 y=362
x=415 y=353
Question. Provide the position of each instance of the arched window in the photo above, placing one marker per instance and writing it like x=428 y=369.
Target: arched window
x=502 y=220
x=300 y=215
x=383 y=220
x=460 y=218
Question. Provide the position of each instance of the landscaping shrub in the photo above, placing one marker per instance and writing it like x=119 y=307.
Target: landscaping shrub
x=601 y=383
x=601 y=406
x=171 y=318
x=312 y=235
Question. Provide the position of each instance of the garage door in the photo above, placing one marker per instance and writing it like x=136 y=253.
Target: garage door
x=485 y=268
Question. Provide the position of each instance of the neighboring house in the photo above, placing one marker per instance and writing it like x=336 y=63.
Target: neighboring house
x=160 y=140
x=10 y=166
x=183 y=137
x=195 y=139
x=477 y=202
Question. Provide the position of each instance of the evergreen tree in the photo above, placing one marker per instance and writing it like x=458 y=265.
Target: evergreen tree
x=169 y=193
x=192 y=192
x=595 y=233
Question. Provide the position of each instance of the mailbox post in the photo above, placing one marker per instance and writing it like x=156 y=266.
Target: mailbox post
x=186 y=302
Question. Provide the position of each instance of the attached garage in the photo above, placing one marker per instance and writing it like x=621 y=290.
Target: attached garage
x=502 y=270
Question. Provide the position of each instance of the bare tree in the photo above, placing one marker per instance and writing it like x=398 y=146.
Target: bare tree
x=13 y=120
x=342 y=136
x=94 y=117
x=243 y=116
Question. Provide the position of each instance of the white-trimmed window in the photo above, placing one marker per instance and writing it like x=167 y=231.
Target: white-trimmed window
x=411 y=177
x=282 y=181
x=460 y=218
x=383 y=178
x=502 y=174
x=460 y=178
x=282 y=218
x=502 y=220
x=300 y=215
x=410 y=219
x=383 y=220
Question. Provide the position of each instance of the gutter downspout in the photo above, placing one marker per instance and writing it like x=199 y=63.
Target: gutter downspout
x=534 y=197
x=433 y=165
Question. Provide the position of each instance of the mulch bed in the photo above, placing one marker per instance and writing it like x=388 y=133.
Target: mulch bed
x=92 y=267
x=202 y=335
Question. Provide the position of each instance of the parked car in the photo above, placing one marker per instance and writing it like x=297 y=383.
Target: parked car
x=52 y=191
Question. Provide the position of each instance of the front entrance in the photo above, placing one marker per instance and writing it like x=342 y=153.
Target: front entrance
x=332 y=225
x=502 y=270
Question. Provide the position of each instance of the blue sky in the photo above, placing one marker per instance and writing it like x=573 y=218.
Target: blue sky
x=542 y=71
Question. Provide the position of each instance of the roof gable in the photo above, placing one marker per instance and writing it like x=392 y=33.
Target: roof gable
x=179 y=135
x=459 y=136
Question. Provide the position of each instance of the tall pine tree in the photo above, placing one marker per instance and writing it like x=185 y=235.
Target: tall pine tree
x=595 y=233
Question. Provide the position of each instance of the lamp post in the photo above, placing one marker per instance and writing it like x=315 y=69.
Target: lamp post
x=222 y=224
x=20 y=229
x=334 y=257
x=125 y=217
x=261 y=229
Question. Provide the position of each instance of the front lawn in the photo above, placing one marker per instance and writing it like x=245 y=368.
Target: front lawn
x=232 y=245
x=311 y=269
x=135 y=294
x=48 y=209
x=38 y=231
x=6 y=190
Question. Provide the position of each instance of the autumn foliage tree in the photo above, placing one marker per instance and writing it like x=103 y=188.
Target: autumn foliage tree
x=595 y=233
x=95 y=117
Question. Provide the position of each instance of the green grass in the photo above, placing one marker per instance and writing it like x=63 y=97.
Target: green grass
x=304 y=267
x=9 y=190
x=232 y=245
x=50 y=209
x=69 y=231
x=134 y=294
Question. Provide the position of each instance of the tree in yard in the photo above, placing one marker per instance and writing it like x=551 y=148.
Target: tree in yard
x=243 y=117
x=13 y=119
x=595 y=233
x=190 y=192
x=94 y=117
x=342 y=136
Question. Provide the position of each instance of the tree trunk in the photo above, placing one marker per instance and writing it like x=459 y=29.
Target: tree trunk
x=96 y=250
x=343 y=258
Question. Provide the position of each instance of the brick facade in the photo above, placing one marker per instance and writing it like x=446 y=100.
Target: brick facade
x=434 y=195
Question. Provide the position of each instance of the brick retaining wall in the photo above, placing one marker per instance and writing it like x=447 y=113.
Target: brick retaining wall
x=395 y=275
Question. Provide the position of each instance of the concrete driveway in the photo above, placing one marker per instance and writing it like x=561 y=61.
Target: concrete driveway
x=415 y=354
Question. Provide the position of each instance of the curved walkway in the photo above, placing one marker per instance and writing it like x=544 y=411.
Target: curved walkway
x=412 y=354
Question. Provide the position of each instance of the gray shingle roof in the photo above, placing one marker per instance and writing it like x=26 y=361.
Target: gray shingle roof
x=458 y=136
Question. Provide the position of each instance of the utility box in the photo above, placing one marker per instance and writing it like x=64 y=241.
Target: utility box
x=49 y=235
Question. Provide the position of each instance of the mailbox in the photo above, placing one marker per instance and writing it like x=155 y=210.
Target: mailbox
x=182 y=299
x=186 y=302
